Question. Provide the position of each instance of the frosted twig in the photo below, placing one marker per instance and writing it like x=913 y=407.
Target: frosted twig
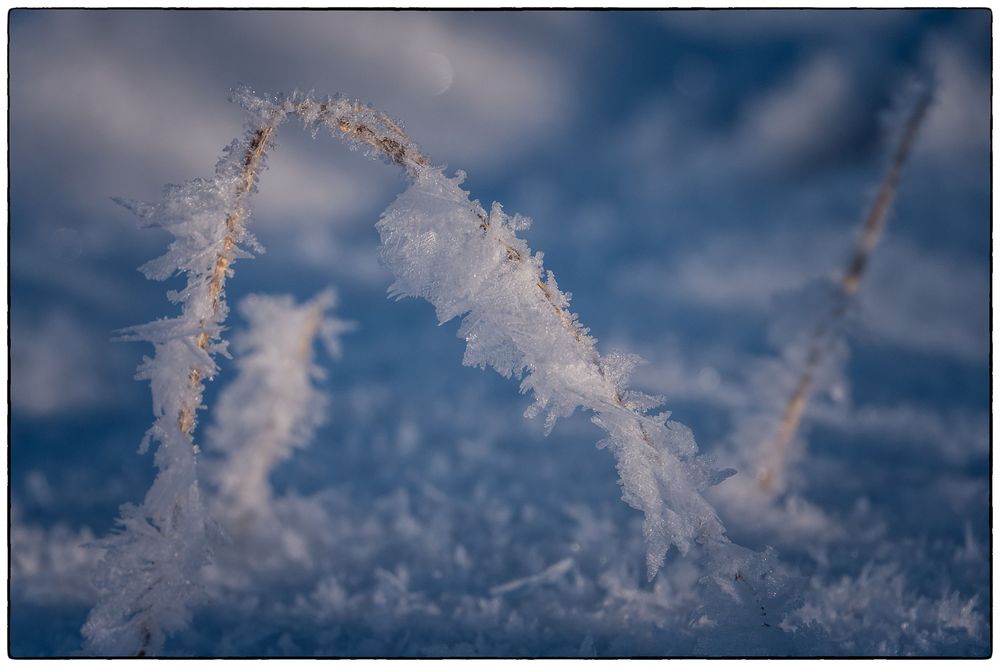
x=775 y=456
x=444 y=247
x=551 y=573
x=235 y=222
x=149 y=577
x=272 y=407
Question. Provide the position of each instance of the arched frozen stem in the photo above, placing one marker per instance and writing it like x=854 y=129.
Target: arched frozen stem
x=515 y=319
x=434 y=222
x=384 y=138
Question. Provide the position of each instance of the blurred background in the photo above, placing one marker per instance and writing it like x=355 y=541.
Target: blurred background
x=690 y=174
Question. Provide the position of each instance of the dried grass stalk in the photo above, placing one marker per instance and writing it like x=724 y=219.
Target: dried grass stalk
x=776 y=456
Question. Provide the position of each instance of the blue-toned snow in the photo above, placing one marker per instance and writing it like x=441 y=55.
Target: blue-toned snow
x=690 y=177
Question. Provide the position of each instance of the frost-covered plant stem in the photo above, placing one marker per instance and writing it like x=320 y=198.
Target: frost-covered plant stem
x=444 y=247
x=272 y=407
x=149 y=575
x=776 y=455
x=235 y=223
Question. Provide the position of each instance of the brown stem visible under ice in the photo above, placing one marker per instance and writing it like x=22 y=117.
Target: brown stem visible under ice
x=235 y=221
x=393 y=144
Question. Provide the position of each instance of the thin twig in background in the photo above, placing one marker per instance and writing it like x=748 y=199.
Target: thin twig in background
x=273 y=406
x=776 y=455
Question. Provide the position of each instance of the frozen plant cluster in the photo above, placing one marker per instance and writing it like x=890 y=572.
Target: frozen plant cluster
x=442 y=246
x=428 y=545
